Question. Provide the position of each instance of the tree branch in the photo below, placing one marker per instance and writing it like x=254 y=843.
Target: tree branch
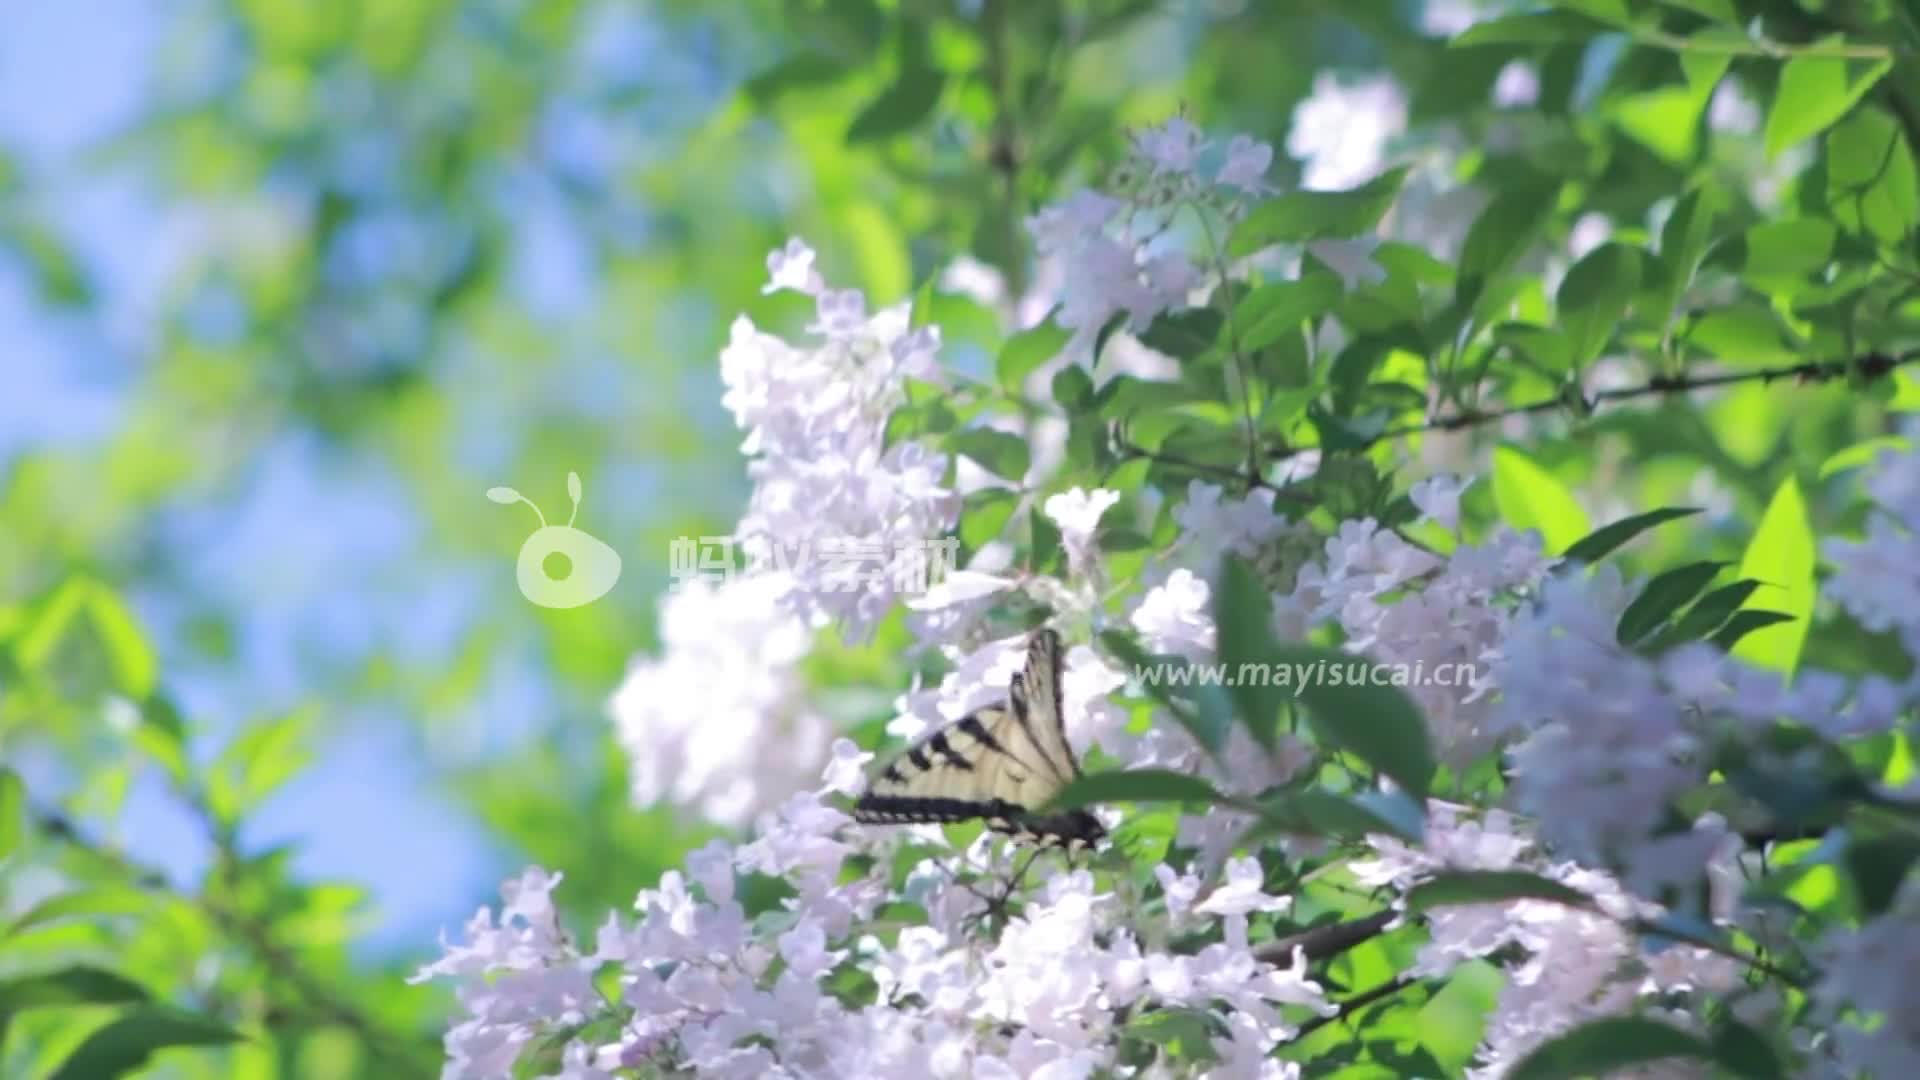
x=1355 y=1004
x=1875 y=365
x=1330 y=940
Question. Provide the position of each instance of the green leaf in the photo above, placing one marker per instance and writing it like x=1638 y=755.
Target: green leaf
x=81 y=601
x=1073 y=389
x=985 y=513
x=1870 y=176
x=1664 y=595
x=1158 y=676
x=1814 y=92
x=1742 y=333
x=1781 y=557
x=1745 y=1053
x=269 y=754
x=105 y=900
x=1185 y=334
x=13 y=811
x=1531 y=28
x=134 y=665
x=1529 y=497
x=1603 y=541
x=1780 y=254
x=1713 y=610
x=78 y=985
x=1278 y=309
x=1349 y=709
x=900 y=107
x=1299 y=216
x=998 y=452
x=1862 y=454
x=1243 y=618
x=1452 y=1022
x=1720 y=11
x=797 y=72
x=1684 y=240
x=1490 y=887
x=1594 y=297
x=1319 y=812
x=1500 y=235
x=126 y=1043
x=1548 y=349
x=1136 y=785
x=1026 y=351
x=1603 y=1046
x=1744 y=622
x=1667 y=120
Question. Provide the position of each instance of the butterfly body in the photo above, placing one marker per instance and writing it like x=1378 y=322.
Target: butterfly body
x=998 y=765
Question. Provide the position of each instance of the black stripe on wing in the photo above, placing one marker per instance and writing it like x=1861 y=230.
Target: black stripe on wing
x=1072 y=830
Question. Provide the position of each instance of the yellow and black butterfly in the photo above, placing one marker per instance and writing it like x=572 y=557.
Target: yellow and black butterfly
x=1000 y=764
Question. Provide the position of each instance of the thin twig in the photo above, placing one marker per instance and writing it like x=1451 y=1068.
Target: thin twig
x=1323 y=941
x=1355 y=1004
x=1872 y=366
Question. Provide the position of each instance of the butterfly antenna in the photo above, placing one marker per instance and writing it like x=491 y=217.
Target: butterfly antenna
x=573 y=492
x=506 y=496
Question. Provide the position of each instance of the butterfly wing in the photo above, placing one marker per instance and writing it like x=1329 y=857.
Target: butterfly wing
x=997 y=764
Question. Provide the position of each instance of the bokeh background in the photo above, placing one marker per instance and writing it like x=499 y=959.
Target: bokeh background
x=287 y=285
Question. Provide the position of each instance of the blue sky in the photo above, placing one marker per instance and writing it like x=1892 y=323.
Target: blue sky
x=305 y=597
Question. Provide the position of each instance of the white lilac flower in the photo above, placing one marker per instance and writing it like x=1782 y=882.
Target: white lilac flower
x=1439 y=618
x=1578 y=963
x=1732 y=110
x=1445 y=18
x=709 y=988
x=846 y=522
x=1589 y=232
x=1172 y=147
x=1517 y=86
x=1176 y=617
x=1246 y=165
x=1438 y=498
x=1877 y=578
x=1867 y=1000
x=719 y=720
x=1341 y=131
x=1077 y=513
x=1213 y=525
x=792 y=267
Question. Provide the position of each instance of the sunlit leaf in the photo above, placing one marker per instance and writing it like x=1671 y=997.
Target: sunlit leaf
x=1781 y=558
x=1529 y=497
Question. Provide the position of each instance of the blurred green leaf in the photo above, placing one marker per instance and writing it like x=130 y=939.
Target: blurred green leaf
x=1453 y=887
x=1664 y=595
x=998 y=452
x=1529 y=497
x=1602 y=1046
x=126 y=1043
x=1594 y=297
x=1781 y=558
x=1871 y=184
x=1136 y=785
x=1814 y=92
x=1299 y=216
x=1603 y=541
x=1026 y=351
x=13 y=811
